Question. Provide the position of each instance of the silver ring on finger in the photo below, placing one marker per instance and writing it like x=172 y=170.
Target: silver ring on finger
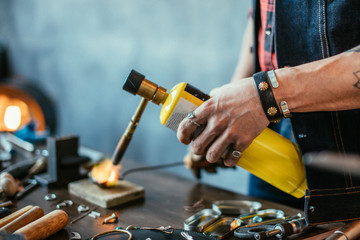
x=236 y=154
x=195 y=123
x=191 y=115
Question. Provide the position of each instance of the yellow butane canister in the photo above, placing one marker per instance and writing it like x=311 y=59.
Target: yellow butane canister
x=271 y=157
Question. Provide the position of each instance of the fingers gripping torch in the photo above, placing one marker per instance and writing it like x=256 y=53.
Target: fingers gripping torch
x=270 y=156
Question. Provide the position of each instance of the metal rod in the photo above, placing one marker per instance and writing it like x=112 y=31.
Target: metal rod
x=82 y=215
x=127 y=135
x=27 y=146
x=32 y=184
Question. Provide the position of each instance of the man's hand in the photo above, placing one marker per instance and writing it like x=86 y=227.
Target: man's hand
x=233 y=117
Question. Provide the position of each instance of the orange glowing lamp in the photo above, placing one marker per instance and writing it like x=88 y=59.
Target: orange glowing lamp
x=14 y=113
x=18 y=108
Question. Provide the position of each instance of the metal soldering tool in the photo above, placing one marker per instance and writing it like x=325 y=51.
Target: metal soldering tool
x=284 y=229
x=137 y=84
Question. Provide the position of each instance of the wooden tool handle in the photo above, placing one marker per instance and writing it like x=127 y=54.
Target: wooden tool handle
x=29 y=216
x=350 y=231
x=14 y=215
x=44 y=226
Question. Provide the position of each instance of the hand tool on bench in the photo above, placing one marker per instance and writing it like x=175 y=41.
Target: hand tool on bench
x=24 y=219
x=283 y=230
x=350 y=231
x=14 y=215
x=8 y=185
x=44 y=226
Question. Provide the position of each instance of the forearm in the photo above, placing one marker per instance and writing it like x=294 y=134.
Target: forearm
x=326 y=85
x=245 y=65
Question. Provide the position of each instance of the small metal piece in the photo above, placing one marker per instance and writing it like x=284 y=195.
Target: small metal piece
x=167 y=229
x=285 y=109
x=58 y=206
x=191 y=115
x=268 y=31
x=186 y=236
x=255 y=232
x=271 y=111
x=64 y=204
x=82 y=216
x=220 y=229
x=92 y=215
x=311 y=209
x=302 y=135
x=236 y=154
x=111 y=219
x=96 y=213
x=82 y=208
x=50 y=197
x=283 y=230
x=236 y=206
x=201 y=219
x=131 y=227
x=272 y=77
x=68 y=202
x=25 y=145
x=265 y=215
x=195 y=123
x=257 y=219
x=263 y=86
x=75 y=235
x=112 y=231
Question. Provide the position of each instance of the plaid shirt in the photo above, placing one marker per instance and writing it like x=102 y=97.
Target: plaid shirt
x=266 y=51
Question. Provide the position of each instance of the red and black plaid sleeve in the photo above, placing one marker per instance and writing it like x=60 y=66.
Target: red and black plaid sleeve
x=267 y=58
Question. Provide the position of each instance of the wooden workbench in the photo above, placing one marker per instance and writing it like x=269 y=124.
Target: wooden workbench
x=163 y=205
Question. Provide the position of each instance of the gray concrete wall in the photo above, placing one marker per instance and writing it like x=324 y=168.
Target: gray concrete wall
x=80 y=52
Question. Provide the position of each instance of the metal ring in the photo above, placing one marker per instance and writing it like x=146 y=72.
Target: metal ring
x=191 y=115
x=82 y=208
x=112 y=231
x=60 y=205
x=50 y=197
x=236 y=154
x=195 y=123
x=68 y=202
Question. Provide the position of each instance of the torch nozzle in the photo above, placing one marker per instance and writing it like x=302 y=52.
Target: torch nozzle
x=127 y=135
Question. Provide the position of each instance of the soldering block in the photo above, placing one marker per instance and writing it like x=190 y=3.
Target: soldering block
x=122 y=192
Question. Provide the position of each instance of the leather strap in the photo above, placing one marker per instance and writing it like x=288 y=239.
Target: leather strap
x=267 y=98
